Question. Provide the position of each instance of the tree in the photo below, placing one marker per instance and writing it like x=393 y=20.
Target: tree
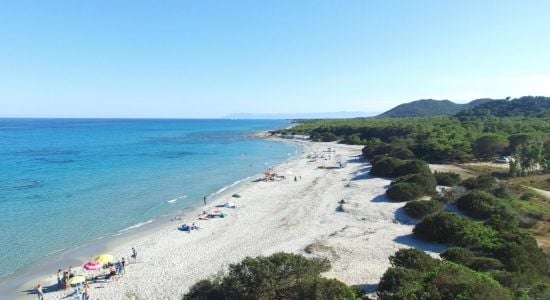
x=279 y=276
x=490 y=145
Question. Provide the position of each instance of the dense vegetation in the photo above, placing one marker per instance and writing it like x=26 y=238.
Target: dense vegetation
x=429 y=108
x=416 y=275
x=279 y=276
x=485 y=131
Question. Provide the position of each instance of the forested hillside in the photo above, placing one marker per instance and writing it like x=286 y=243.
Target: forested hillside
x=429 y=108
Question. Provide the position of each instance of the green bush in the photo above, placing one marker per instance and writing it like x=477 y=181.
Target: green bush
x=413 y=259
x=384 y=166
x=457 y=254
x=420 y=209
x=447 y=178
x=482 y=182
x=279 y=276
x=425 y=181
x=401 y=153
x=399 y=283
x=477 y=204
x=446 y=280
x=404 y=191
x=413 y=166
x=323 y=289
x=484 y=264
x=450 y=228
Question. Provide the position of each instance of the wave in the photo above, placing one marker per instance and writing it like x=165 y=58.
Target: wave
x=176 y=199
x=136 y=226
x=225 y=188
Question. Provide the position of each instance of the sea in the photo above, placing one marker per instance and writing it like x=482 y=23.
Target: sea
x=64 y=182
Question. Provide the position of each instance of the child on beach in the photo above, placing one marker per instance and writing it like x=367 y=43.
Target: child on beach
x=39 y=292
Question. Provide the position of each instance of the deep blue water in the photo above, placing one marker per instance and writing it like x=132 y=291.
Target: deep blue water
x=67 y=181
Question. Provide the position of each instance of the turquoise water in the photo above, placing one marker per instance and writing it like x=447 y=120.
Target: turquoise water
x=67 y=181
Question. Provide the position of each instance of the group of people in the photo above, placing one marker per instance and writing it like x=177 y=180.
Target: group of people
x=188 y=228
x=82 y=291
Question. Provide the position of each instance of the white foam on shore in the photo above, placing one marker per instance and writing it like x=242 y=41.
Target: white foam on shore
x=225 y=188
x=136 y=226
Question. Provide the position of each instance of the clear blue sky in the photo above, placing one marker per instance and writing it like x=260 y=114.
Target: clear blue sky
x=211 y=58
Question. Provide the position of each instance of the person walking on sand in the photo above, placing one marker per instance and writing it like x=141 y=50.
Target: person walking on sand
x=39 y=292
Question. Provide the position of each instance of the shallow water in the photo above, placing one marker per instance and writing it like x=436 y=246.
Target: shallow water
x=67 y=181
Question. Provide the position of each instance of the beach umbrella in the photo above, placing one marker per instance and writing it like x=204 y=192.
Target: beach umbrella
x=105 y=258
x=92 y=266
x=77 y=280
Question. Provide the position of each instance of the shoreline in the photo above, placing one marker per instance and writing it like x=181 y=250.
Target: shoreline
x=300 y=216
x=15 y=284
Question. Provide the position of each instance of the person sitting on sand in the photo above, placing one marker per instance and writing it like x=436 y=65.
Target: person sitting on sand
x=112 y=273
x=194 y=226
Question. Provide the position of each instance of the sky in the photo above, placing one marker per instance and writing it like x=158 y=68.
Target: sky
x=213 y=58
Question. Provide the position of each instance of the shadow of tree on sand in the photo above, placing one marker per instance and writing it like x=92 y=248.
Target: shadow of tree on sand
x=411 y=241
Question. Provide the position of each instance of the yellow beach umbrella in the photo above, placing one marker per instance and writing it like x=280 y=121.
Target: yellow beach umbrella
x=105 y=258
x=77 y=280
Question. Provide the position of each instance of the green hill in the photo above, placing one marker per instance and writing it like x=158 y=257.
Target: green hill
x=430 y=108
x=527 y=106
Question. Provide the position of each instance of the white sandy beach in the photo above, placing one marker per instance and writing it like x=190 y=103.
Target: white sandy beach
x=289 y=216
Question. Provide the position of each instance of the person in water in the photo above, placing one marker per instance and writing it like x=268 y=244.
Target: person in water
x=204 y=199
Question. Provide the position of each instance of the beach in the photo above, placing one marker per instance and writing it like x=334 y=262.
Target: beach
x=326 y=206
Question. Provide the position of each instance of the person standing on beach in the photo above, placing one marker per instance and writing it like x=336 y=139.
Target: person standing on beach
x=204 y=199
x=87 y=292
x=134 y=254
x=59 y=279
x=39 y=292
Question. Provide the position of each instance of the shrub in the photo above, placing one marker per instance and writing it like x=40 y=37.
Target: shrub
x=484 y=264
x=279 y=276
x=446 y=280
x=447 y=178
x=457 y=255
x=323 y=289
x=399 y=283
x=405 y=191
x=420 y=209
x=450 y=228
x=413 y=259
x=478 y=204
x=482 y=182
x=384 y=166
x=401 y=153
x=425 y=181
x=413 y=166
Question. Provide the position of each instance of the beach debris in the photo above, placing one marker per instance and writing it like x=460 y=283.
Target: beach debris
x=236 y=196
